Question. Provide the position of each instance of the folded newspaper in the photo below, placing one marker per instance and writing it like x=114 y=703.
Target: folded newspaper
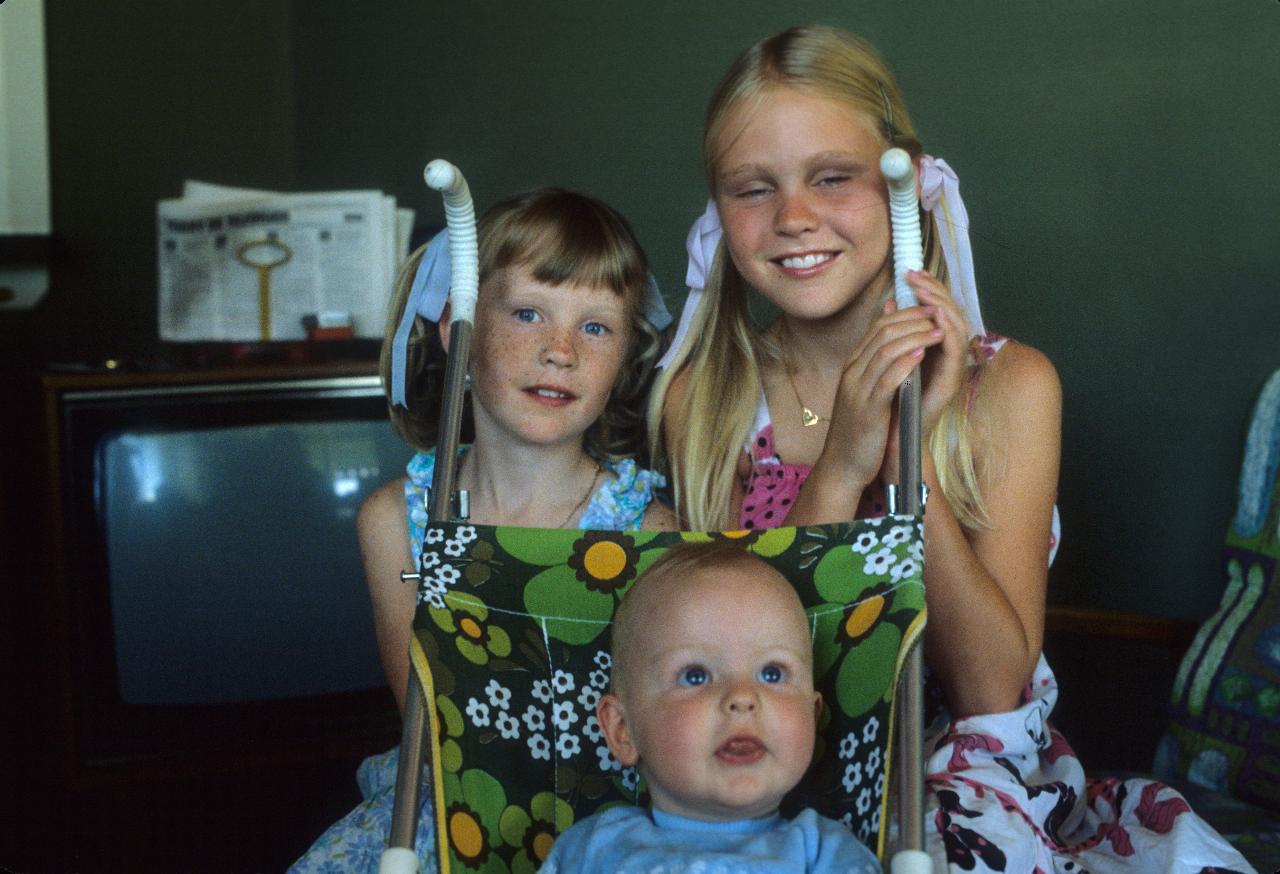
x=239 y=264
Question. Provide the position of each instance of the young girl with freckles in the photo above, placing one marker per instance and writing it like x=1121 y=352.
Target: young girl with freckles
x=712 y=700
x=566 y=335
x=793 y=422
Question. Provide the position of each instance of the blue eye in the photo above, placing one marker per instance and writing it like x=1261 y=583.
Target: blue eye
x=526 y=314
x=770 y=673
x=595 y=329
x=694 y=676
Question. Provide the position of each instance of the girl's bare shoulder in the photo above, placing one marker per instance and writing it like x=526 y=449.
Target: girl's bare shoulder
x=381 y=507
x=1018 y=381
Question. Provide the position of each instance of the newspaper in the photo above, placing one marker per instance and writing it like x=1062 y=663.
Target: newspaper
x=239 y=264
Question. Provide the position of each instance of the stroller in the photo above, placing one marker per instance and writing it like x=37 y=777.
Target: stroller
x=510 y=644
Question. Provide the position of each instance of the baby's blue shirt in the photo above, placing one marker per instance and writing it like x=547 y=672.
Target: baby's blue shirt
x=627 y=840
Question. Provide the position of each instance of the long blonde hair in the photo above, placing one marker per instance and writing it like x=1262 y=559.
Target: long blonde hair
x=724 y=347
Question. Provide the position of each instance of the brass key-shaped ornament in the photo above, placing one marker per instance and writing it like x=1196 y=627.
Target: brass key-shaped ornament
x=264 y=256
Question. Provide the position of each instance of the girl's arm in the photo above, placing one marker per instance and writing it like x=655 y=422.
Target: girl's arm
x=383 y=531
x=986 y=589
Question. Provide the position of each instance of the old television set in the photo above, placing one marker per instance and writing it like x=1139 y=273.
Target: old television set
x=208 y=596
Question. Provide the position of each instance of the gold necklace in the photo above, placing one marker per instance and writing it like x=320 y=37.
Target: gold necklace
x=591 y=487
x=807 y=416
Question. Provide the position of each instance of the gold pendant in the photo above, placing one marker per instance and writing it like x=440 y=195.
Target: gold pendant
x=809 y=417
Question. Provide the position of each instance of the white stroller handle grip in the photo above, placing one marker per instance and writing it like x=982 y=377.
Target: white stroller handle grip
x=460 y=215
x=911 y=862
x=904 y=214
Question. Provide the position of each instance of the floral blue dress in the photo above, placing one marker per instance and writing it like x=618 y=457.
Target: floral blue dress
x=355 y=842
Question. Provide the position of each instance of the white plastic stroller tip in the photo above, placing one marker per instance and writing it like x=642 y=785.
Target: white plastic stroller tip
x=398 y=860
x=910 y=862
x=440 y=174
x=895 y=164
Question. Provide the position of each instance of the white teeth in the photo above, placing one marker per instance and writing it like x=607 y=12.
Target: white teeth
x=804 y=261
x=548 y=393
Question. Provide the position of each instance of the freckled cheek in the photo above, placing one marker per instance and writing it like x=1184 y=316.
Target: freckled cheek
x=742 y=235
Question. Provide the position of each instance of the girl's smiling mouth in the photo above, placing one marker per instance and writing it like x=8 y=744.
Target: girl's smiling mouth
x=550 y=394
x=804 y=263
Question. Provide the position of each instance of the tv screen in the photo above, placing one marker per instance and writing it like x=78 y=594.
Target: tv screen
x=232 y=555
x=207 y=574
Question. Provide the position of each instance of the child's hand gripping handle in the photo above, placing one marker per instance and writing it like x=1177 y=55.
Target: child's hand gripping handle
x=460 y=215
x=904 y=213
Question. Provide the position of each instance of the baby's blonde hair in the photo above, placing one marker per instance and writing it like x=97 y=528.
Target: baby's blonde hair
x=723 y=348
x=561 y=238
x=681 y=562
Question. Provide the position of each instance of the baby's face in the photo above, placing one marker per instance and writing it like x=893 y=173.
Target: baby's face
x=718 y=694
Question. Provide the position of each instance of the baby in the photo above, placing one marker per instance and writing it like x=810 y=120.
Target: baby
x=712 y=699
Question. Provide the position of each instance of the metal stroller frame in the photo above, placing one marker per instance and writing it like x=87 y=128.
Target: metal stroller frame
x=907 y=499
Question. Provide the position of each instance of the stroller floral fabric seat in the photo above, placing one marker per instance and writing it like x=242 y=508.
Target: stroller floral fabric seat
x=511 y=644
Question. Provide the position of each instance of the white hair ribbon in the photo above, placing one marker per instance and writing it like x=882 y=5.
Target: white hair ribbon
x=704 y=238
x=940 y=195
x=426 y=298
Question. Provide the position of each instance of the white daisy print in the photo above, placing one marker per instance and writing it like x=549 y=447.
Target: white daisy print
x=870 y=730
x=563 y=715
x=599 y=679
x=433 y=535
x=466 y=534
x=479 y=712
x=499 y=696
x=866 y=542
x=848 y=745
x=589 y=697
x=878 y=562
x=568 y=745
x=562 y=682
x=897 y=534
x=607 y=761
x=864 y=801
x=542 y=691
x=539 y=747
x=852 y=776
x=534 y=719
x=454 y=548
x=508 y=726
x=903 y=569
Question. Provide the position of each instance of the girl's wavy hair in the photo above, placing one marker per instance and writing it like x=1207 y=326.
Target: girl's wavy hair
x=724 y=347
x=562 y=238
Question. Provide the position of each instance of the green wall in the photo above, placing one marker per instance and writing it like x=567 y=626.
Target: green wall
x=1118 y=161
